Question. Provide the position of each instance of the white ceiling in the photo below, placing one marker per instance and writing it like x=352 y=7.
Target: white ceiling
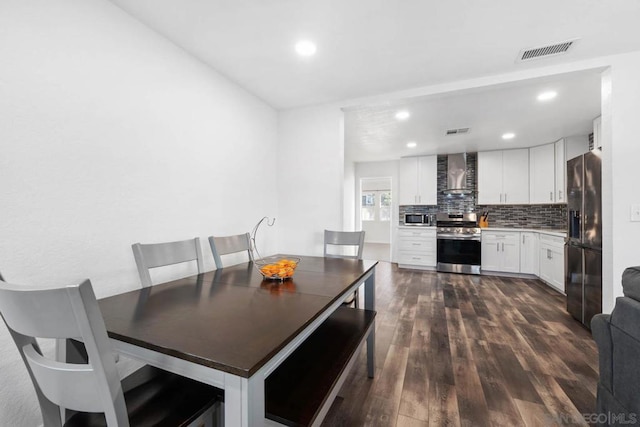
x=371 y=47
x=373 y=133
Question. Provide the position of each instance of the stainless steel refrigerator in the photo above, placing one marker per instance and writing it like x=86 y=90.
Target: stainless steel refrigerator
x=583 y=248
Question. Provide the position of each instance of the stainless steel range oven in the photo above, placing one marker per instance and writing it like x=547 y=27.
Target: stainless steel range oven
x=459 y=243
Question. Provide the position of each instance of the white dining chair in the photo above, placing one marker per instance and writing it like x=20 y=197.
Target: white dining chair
x=342 y=241
x=155 y=255
x=226 y=245
x=94 y=389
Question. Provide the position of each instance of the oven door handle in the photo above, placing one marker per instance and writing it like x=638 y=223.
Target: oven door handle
x=457 y=237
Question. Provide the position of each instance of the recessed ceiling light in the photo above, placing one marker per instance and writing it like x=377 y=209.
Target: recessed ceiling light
x=306 y=48
x=411 y=144
x=508 y=135
x=546 y=96
x=402 y=115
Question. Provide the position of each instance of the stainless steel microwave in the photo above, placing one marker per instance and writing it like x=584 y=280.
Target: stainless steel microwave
x=417 y=219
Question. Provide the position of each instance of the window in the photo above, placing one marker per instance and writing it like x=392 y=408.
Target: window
x=376 y=206
x=385 y=206
x=368 y=212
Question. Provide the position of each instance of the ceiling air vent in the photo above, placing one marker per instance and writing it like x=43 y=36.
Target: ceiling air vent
x=457 y=131
x=545 y=51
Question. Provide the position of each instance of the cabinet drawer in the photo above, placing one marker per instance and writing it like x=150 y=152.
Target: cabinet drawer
x=427 y=260
x=506 y=236
x=421 y=246
x=417 y=233
x=554 y=241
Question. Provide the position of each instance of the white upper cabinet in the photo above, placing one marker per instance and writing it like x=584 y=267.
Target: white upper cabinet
x=408 y=180
x=548 y=168
x=566 y=149
x=597 y=132
x=515 y=176
x=418 y=180
x=490 y=177
x=542 y=166
x=503 y=177
x=428 y=180
x=560 y=195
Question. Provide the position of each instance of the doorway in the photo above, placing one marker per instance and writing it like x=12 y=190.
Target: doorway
x=376 y=212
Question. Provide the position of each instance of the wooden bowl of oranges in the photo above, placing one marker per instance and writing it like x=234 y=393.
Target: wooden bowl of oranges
x=278 y=269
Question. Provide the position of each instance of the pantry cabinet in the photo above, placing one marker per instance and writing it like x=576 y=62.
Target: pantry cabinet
x=501 y=251
x=418 y=179
x=503 y=177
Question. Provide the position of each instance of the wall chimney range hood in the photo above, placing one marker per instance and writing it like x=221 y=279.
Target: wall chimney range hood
x=457 y=176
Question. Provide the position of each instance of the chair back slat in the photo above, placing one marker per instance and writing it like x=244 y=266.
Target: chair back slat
x=225 y=245
x=81 y=394
x=43 y=313
x=161 y=254
x=47 y=313
x=353 y=239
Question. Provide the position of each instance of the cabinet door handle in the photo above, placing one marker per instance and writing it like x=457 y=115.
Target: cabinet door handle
x=416 y=244
x=523 y=239
x=505 y=197
x=559 y=194
x=500 y=197
x=497 y=247
x=551 y=196
x=503 y=247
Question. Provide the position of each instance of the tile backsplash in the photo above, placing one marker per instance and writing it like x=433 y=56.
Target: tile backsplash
x=534 y=216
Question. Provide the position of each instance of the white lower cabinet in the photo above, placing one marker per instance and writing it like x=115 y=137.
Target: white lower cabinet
x=552 y=261
x=529 y=253
x=501 y=251
x=417 y=247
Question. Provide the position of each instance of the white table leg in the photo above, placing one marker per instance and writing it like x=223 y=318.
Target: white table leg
x=370 y=304
x=244 y=401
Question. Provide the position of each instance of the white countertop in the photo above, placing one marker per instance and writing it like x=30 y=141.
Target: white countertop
x=557 y=233
x=551 y=232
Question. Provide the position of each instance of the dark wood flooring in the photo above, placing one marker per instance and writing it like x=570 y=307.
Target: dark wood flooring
x=471 y=351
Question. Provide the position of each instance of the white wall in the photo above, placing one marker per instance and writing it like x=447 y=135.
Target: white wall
x=621 y=151
x=110 y=135
x=311 y=175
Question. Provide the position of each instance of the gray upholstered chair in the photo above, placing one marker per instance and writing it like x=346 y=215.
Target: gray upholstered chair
x=161 y=254
x=94 y=389
x=618 y=338
x=341 y=240
x=228 y=245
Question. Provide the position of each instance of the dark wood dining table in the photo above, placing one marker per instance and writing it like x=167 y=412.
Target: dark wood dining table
x=230 y=328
